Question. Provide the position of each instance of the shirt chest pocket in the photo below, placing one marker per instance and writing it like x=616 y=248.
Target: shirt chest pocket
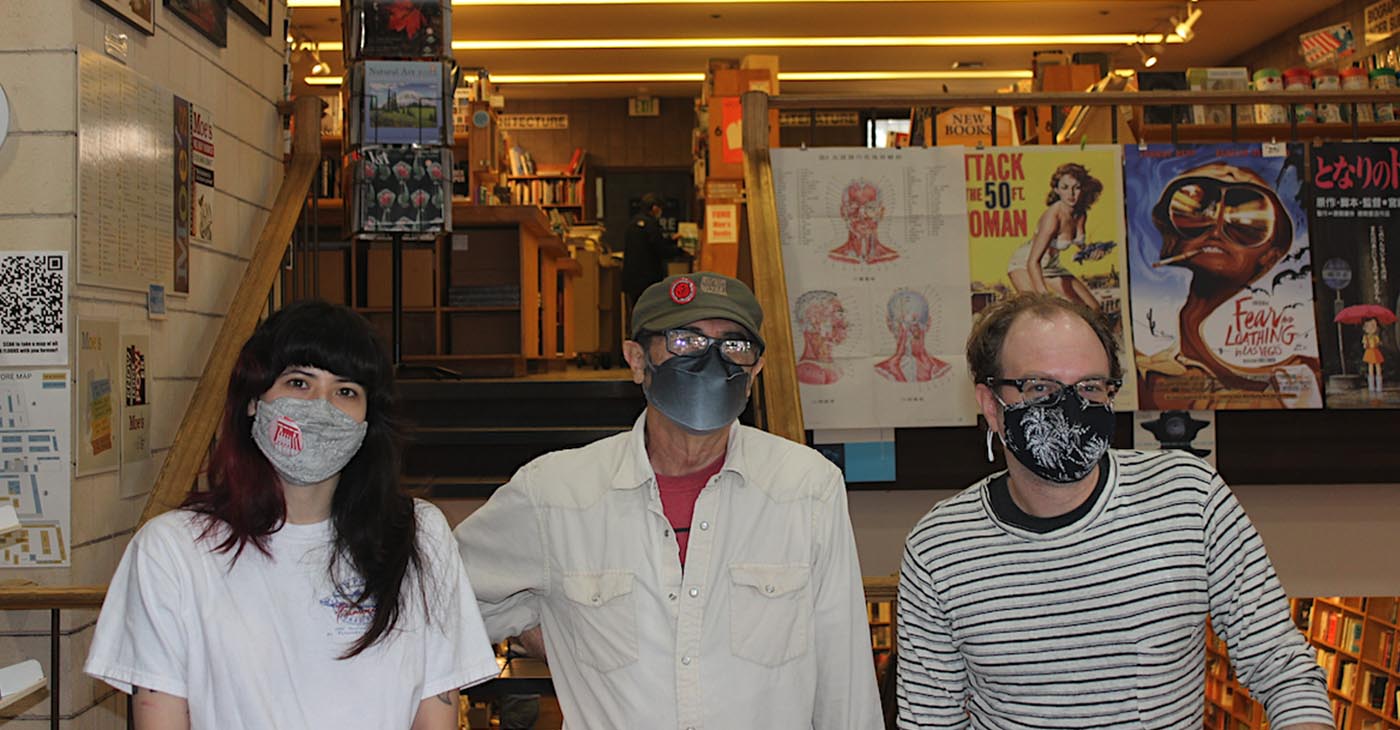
x=603 y=615
x=770 y=612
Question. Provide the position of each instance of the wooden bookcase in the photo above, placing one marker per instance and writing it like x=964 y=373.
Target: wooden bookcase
x=1357 y=641
x=568 y=193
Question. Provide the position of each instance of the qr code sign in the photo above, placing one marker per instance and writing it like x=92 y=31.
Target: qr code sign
x=31 y=294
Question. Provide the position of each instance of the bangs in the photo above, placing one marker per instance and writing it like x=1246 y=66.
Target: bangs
x=331 y=339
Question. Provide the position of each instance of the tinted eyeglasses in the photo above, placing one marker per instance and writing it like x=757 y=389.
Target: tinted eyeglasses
x=1244 y=213
x=1048 y=392
x=686 y=343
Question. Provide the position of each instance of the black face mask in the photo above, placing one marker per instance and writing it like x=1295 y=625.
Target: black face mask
x=703 y=393
x=1059 y=443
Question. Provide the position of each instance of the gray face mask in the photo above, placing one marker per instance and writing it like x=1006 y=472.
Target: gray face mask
x=702 y=394
x=307 y=441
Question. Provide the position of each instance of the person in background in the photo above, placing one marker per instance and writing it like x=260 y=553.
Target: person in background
x=647 y=249
x=1072 y=589
x=305 y=589
x=693 y=572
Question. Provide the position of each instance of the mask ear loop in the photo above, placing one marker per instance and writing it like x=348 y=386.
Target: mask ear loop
x=990 y=457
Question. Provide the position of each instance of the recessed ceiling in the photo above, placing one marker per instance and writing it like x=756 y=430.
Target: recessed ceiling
x=1226 y=29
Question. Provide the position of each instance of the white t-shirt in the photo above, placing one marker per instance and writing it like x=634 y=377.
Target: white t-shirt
x=253 y=643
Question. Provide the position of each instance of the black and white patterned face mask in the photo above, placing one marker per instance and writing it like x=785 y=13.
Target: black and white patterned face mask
x=1060 y=442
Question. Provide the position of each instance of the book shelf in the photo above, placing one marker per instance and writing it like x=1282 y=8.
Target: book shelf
x=1356 y=643
x=566 y=189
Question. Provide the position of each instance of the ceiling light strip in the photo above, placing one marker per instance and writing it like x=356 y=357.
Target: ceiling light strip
x=786 y=76
x=578 y=44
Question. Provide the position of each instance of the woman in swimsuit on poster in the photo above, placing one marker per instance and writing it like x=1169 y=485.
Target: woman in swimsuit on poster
x=1036 y=265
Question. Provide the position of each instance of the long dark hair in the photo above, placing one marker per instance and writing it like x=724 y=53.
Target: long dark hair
x=374 y=520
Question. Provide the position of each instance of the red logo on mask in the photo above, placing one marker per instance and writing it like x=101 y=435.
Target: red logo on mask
x=682 y=291
x=286 y=435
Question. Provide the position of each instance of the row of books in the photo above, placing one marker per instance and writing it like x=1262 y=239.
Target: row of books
x=523 y=163
x=1343 y=631
x=1375 y=684
x=563 y=191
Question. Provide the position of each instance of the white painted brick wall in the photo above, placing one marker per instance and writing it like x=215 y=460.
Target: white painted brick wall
x=239 y=85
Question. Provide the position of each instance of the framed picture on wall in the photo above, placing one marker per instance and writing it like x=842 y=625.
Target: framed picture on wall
x=209 y=17
x=140 y=13
x=258 y=13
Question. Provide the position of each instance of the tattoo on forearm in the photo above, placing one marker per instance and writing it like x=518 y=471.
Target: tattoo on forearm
x=447 y=698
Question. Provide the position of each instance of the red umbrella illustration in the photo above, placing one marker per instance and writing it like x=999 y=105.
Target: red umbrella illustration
x=1359 y=313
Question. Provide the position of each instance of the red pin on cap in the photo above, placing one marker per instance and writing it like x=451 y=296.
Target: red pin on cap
x=682 y=290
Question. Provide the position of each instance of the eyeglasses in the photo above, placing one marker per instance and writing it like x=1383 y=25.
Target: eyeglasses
x=1048 y=392
x=1244 y=213
x=685 y=343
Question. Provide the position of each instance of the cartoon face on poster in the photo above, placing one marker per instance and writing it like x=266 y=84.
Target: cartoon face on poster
x=1050 y=220
x=1356 y=219
x=1221 y=276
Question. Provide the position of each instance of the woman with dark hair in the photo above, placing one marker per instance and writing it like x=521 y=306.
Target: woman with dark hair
x=1036 y=267
x=305 y=589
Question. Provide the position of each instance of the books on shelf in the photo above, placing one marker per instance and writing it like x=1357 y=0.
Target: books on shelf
x=398 y=102
x=398 y=29
x=575 y=162
x=333 y=117
x=400 y=190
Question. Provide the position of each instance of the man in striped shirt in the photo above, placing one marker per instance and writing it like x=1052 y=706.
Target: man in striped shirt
x=1071 y=590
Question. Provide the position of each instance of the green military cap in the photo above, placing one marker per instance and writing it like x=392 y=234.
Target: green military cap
x=678 y=300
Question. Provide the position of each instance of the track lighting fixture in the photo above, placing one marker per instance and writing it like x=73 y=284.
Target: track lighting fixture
x=1185 y=27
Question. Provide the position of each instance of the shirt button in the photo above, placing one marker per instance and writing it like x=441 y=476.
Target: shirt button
x=694 y=592
x=666 y=532
x=685 y=660
x=704 y=525
x=671 y=596
x=768 y=588
x=596 y=598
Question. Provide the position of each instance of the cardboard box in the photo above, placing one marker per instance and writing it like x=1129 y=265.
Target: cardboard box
x=756 y=62
x=733 y=82
x=419 y=284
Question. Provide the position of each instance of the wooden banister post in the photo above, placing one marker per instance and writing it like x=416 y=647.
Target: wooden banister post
x=781 y=402
x=206 y=406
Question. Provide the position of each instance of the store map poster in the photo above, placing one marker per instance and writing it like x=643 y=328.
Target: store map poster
x=99 y=387
x=35 y=476
x=1356 y=247
x=33 y=308
x=1221 y=273
x=875 y=252
x=1050 y=219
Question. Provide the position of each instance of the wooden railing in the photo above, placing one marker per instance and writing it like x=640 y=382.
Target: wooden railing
x=201 y=420
x=55 y=600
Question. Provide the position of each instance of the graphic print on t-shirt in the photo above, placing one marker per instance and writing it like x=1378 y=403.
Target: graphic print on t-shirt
x=350 y=619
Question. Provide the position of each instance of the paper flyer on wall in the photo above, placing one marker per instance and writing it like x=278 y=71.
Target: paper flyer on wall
x=1221 y=269
x=34 y=308
x=137 y=468
x=1050 y=219
x=1356 y=247
x=202 y=167
x=875 y=252
x=35 y=477
x=99 y=382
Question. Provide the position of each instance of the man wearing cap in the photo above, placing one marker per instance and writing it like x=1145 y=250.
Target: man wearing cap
x=692 y=572
x=647 y=249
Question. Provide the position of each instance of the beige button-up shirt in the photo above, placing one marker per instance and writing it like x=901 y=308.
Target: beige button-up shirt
x=765 y=628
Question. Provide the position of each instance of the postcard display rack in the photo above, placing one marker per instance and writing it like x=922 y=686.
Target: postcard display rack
x=398 y=132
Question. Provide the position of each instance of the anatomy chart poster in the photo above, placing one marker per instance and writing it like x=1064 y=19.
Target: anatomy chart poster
x=1221 y=272
x=1356 y=249
x=875 y=252
x=1050 y=219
